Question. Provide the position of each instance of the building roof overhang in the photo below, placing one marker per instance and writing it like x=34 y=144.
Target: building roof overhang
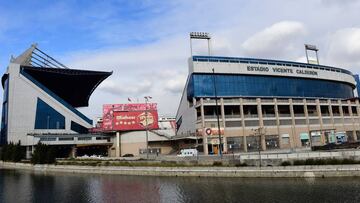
x=72 y=85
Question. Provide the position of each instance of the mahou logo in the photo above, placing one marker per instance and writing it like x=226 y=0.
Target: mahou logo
x=142 y=119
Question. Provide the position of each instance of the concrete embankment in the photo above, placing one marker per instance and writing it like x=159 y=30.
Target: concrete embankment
x=243 y=172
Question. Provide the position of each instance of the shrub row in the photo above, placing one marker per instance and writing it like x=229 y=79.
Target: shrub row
x=11 y=152
x=43 y=154
x=329 y=161
x=83 y=162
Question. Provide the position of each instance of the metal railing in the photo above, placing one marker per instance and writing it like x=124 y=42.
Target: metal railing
x=231 y=100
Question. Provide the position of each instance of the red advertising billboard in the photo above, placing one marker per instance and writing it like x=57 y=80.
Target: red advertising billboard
x=126 y=117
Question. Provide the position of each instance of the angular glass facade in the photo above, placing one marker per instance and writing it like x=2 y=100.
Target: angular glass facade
x=47 y=117
x=4 y=115
x=78 y=128
x=357 y=79
x=202 y=85
x=59 y=99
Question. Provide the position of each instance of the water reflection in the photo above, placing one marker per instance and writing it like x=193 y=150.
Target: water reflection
x=24 y=186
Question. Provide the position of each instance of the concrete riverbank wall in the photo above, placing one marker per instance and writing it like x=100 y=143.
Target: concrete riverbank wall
x=269 y=158
x=241 y=172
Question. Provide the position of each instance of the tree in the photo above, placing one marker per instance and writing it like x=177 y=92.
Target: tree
x=43 y=154
x=18 y=153
x=11 y=152
x=3 y=152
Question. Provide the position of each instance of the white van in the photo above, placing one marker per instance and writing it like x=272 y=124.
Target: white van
x=188 y=152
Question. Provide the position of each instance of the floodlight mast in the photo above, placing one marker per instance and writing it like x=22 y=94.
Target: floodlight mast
x=309 y=47
x=202 y=36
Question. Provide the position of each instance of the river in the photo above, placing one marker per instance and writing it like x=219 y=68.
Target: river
x=26 y=186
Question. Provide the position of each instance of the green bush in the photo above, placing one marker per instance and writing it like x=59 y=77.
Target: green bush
x=310 y=162
x=329 y=161
x=299 y=162
x=320 y=162
x=333 y=161
x=12 y=153
x=285 y=163
x=241 y=164
x=43 y=154
x=217 y=163
x=349 y=161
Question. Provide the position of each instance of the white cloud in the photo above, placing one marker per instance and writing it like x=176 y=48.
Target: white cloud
x=275 y=41
x=125 y=89
x=176 y=84
x=158 y=69
x=344 y=48
x=340 y=3
x=156 y=64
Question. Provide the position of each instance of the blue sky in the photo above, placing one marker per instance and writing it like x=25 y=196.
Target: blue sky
x=146 y=42
x=65 y=26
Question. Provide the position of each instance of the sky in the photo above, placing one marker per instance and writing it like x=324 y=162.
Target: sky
x=146 y=42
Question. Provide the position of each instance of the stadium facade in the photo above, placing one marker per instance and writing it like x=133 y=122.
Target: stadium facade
x=266 y=104
x=41 y=97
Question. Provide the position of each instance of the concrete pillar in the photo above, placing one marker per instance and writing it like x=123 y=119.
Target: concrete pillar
x=277 y=121
x=194 y=101
x=263 y=143
x=318 y=110
x=117 y=144
x=307 y=118
x=341 y=114
x=261 y=123
x=224 y=142
x=205 y=144
x=243 y=124
x=331 y=114
x=222 y=110
x=357 y=107
x=293 y=124
x=73 y=152
x=29 y=151
x=352 y=120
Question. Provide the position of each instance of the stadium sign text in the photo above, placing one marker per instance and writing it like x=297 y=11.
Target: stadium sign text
x=281 y=70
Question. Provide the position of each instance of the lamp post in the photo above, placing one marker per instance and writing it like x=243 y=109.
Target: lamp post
x=146 y=125
x=217 y=114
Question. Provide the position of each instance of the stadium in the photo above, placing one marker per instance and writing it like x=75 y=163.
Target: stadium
x=261 y=104
x=41 y=97
x=41 y=101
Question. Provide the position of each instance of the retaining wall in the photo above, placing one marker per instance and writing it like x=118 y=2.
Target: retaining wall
x=243 y=172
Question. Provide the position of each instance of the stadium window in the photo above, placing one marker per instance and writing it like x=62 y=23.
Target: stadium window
x=47 y=117
x=78 y=128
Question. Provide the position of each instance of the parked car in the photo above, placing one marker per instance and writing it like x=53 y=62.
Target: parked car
x=188 y=152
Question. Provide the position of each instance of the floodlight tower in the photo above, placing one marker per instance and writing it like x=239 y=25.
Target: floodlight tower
x=309 y=47
x=200 y=35
x=206 y=36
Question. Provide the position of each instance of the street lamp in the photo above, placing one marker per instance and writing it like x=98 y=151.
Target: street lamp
x=146 y=125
